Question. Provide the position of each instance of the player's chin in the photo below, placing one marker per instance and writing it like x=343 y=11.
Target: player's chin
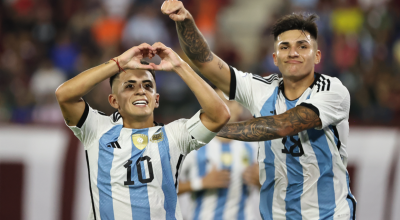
x=295 y=71
x=141 y=111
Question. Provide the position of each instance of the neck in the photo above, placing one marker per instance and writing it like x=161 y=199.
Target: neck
x=294 y=88
x=138 y=122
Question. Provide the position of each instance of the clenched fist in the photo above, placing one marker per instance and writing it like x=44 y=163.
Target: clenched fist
x=175 y=10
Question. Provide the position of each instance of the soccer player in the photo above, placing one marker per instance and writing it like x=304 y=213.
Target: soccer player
x=134 y=162
x=300 y=120
x=222 y=177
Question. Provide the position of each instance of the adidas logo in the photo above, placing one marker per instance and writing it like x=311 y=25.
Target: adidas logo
x=114 y=145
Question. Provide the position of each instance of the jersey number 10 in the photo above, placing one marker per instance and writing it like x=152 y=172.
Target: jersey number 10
x=129 y=180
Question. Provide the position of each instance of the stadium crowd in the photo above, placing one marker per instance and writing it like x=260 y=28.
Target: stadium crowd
x=43 y=43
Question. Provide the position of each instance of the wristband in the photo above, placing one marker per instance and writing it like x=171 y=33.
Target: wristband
x=198 y=130
x=196 y=184
x=119 y=67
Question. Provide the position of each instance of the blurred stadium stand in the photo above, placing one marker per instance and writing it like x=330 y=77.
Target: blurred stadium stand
x=43 y=43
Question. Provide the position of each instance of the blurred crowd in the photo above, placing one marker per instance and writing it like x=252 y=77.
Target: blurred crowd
x=44 y=43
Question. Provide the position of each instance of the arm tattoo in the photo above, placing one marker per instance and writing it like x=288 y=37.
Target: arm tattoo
x=192 y=42
x=107 y=62
x=220 y=64
x=266 y=128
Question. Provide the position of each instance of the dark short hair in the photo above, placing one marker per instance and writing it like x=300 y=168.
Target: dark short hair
x=296 y=21
x=153 y=73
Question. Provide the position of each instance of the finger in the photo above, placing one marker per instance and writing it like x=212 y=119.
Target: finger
x=222 y=184
x=145 y=46
x=164 y=6
x=158 y=45
x=176 y=17
x=225 y=173
x=172 y=7
x=144 y=66
x=213 y=167
x=156 y=67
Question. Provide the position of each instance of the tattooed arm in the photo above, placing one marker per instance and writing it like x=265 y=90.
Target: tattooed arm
x=195 y=46
x=69 y=94
x=266 y=128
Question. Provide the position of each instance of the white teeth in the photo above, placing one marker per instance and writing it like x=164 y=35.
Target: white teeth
x=140 y=103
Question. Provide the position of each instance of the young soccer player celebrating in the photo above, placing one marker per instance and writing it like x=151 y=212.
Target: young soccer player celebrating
x=133 y=162
x=301 y=119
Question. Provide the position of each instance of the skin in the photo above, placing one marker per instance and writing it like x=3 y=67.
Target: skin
x=295 y=54
x=136 y=83
x=131 y=86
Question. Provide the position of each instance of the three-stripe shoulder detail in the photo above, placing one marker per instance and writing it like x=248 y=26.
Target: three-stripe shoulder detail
x=268 y=80
x=323 y=84
x=116 y=116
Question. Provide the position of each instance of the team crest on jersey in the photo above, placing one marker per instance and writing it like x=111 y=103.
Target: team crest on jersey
x=140 y=141
x=245 y=160
x=226 y=159
x=157 y=137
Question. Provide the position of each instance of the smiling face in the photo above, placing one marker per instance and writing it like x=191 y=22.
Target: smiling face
x=134 y=95
x=295 y=54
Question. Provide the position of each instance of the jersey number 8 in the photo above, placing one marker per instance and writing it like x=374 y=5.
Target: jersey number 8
x=296 y=143
x=129 y=180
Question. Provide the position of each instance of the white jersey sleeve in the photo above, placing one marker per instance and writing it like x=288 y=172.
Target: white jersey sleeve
x=249 y=89
x=87 y=127
x=91 y=124
x=189 y=134
x=331 y=102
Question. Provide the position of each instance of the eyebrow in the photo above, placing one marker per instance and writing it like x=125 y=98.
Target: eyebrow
x=297 y=42
x=134 y=81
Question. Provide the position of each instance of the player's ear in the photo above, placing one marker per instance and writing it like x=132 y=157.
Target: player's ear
x=318 y=57
x=157 y=99
x=275 y=60
x=112 y=99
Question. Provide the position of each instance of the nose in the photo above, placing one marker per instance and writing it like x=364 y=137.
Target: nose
x=293 y=52
x=140 y=90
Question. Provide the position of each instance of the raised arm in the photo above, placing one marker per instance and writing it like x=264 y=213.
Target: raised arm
x=291 y=122
x=195 y=46
x=215 y=113
x=69 y=94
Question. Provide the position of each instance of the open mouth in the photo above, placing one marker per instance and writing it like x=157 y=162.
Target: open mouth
x=140 y=103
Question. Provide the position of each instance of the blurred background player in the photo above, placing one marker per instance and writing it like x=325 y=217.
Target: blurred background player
x=301 y=119
x=221 y=177
x=133 y=162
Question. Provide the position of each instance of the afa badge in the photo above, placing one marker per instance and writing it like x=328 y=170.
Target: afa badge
x=157 y=137
x=246 y=158
x=226 y=159
x=140 y=141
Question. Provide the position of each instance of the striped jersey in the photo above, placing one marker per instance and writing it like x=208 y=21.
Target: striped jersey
x=228 y=203
x=133 y=172
x=303 y=176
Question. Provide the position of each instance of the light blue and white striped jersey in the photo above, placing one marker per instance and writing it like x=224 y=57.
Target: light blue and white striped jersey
x=133 y=172
x=234 y=202
x=303 y=176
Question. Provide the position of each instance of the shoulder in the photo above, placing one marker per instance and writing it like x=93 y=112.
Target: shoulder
x=105 y=121
x=329 y=84
x=176 y=123
x=176 y=128
x=271 y=80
